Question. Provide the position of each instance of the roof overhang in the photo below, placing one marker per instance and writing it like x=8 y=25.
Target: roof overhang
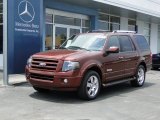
x=113 y=9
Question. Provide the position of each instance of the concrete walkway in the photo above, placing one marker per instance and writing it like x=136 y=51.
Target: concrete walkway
x=13 y=79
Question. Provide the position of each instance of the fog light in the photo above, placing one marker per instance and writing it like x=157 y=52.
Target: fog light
x=65 y=81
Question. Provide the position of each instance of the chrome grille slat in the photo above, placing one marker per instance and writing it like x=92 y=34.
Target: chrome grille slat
x=48 y=63
x=44 y=66
x=45 y=60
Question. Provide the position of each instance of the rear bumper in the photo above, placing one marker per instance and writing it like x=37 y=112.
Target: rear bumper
x=58 y=82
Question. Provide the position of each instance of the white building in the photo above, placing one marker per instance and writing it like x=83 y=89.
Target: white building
x=59 y=19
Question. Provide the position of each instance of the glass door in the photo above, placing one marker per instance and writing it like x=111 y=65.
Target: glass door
x=60 y=36
x=74 y=31
x=49 y=37
x=62 y=33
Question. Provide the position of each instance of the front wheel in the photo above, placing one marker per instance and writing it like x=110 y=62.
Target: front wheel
x=90 y=86
x=140 y=77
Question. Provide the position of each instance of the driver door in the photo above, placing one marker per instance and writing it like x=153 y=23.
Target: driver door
x=114 y=64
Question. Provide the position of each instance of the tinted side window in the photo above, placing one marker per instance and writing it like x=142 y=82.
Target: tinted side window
x=126 y=44
x=142 y=43
x=113 y=41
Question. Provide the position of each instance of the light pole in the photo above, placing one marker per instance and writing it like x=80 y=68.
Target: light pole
x=5 y=63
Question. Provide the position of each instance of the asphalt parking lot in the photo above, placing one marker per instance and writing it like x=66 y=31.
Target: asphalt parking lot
x=120 y=102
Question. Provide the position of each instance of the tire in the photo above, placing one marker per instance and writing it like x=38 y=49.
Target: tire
x=90 y=86
x=140 y=77
x=40 y=90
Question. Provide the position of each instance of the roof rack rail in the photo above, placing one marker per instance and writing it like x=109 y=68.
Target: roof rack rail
x=124 y=31
x=99 y=31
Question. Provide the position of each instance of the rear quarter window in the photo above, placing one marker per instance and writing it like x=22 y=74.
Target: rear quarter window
x=126 y=44
x=141 y=42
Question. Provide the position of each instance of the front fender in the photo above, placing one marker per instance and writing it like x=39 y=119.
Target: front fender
x=89 y=64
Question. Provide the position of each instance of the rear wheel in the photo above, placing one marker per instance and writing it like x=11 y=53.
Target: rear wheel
x=90 y=86
x=41 y=90
x=140 y=77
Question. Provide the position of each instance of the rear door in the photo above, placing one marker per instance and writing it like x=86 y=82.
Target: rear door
x=130 y=55
x=144 y=49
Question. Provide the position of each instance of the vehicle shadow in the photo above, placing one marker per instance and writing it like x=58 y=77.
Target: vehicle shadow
x=120 y=90
x=155 y=69
x=72 y=98
x=21 y=84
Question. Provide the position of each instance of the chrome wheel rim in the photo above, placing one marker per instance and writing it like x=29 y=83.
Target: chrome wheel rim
x=141 y=76
x=92 y=86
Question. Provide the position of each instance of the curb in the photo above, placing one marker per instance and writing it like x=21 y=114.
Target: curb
x=13 y=84
x=19 y=83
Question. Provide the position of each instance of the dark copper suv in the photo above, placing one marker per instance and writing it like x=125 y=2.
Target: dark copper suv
x=90 y=61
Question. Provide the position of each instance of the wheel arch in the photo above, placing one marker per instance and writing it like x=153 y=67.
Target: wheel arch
x=95 y=68
x=144 y=64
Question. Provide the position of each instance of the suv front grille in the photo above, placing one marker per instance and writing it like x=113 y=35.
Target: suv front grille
x=41 y=77
x=44 y=64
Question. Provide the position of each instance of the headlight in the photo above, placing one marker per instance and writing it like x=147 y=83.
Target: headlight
x=29 y=61
x=68 y=65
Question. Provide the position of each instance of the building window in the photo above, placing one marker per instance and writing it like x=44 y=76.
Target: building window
x=109 y=22
x=131 y=25
x=147 y=31
x=85 y=25
x=158 y=39
x=1 y=26
x=67 y=20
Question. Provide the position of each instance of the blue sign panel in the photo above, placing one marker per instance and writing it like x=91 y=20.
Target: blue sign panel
x=25 y=21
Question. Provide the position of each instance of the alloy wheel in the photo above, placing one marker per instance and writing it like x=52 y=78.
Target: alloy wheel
x=141 y=76
x=92 y=86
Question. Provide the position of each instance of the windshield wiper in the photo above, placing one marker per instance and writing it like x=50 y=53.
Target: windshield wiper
x=62 y=48
x=76 y=47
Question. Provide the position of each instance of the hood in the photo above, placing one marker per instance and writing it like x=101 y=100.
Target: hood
x=62 y=54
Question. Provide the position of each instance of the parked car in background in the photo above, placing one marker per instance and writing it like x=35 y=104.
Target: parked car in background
x=156 y=61
x=89 y=61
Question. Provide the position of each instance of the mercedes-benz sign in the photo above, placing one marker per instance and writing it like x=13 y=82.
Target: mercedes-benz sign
x=26 y=11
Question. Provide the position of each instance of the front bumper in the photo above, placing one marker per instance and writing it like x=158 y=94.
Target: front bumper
x=57 y=83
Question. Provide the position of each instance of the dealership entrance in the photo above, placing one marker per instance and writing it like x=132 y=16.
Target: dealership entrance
x=62 y=32
x=61 y=25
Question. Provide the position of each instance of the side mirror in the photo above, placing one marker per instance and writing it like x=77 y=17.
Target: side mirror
x=112 y=49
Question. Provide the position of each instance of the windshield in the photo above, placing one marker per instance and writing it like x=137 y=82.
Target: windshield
x=86 y=41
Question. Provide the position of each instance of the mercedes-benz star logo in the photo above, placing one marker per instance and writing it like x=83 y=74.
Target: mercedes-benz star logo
x=26 y=11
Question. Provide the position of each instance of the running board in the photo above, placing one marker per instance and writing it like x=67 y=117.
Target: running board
x=118 y=82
